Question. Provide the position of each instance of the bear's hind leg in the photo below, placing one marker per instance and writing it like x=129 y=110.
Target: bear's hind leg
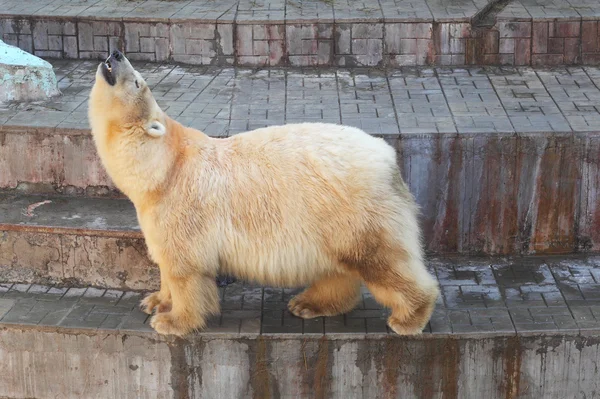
x=411 y=305
x=403 y=284
x=389 y=259
x=329 y=296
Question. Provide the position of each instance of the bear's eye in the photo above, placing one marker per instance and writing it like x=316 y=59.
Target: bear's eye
x=137 y=84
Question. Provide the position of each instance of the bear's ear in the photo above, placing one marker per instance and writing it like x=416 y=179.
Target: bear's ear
x=156 y=129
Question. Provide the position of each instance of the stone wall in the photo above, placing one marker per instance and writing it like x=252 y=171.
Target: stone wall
x=311 y=42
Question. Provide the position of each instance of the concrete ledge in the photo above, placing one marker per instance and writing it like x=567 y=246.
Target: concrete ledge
x=81 y=241
x=527 y=329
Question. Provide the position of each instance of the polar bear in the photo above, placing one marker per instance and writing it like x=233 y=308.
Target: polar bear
x=312 y=204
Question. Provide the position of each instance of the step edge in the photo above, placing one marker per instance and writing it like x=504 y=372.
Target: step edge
x=111 y=233
x=426 y=336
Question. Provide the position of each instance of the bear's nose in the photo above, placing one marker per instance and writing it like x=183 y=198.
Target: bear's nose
x=117 y=55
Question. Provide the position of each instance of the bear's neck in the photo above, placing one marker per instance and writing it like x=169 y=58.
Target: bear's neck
x=151 y=167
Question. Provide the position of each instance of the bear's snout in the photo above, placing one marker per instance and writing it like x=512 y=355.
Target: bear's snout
x=117 y=55
x=116 y=64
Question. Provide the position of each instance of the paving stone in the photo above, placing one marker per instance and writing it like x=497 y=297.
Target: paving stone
x=19 y=310
x=548 y=9
x=5 y=306
x=515 y=275
x=312 y=97
x=4 y=288
x=51 y=294
x=365 y=103
x=343 y=324
x=18 y=291
x=250 y=326
x=74 y=294
x=302 y=10
x=405 y=10
x=136 y=321
x=224 y=325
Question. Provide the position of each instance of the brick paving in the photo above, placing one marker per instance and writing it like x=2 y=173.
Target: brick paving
x=246 y=10
x=280 y=10
x=527 y=295
x=225 y=101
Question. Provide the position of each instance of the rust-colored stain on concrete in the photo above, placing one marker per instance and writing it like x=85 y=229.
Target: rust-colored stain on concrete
x=260 y=378
x=394 y=354
x=504 y=195
x=511 y=359
x=322 y=370
x=531 y=367
x=558 y=188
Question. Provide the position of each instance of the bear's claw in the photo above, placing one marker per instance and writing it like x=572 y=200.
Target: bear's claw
x=153 y=301
x=302 y=309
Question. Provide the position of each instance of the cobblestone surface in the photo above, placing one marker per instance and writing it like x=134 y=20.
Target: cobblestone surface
x=478 y=296
x=225 y=101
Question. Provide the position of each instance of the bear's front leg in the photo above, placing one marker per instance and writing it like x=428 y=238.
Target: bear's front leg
x=194 y=297
x=159 y=300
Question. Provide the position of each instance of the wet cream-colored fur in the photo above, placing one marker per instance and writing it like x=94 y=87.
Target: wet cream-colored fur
x=317 y=205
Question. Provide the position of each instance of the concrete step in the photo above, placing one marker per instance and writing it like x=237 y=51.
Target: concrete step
x=71 y=240
x=92 y=241
x=526 y=328
x=501 y=161
x=306 y=33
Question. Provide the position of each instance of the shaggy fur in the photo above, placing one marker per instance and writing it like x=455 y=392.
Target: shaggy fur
x=303 y=204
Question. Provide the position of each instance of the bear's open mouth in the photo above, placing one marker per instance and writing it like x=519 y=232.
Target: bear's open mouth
x=107 y=72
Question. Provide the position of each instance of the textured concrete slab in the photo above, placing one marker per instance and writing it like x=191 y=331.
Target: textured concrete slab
x=71 y=239
x=83 y=365
x=25 y=77
x=525 y=328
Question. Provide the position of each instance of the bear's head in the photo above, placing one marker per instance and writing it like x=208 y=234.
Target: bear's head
x=122 y=101
x=129 y=128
